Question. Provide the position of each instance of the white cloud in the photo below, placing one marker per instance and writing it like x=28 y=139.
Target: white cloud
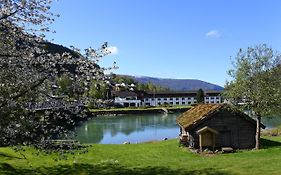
x=113 y=50
x=213 y=34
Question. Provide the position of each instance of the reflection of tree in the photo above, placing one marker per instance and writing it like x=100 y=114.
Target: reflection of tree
x=90 y=132
x=128 y=124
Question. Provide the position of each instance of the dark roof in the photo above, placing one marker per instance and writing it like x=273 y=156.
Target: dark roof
x=178 y=93
x=201 y=112
x=124 y=94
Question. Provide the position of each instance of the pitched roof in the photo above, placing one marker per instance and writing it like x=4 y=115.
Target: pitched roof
x=124 y=94
x=206 y=128
x=196 y=113
x=202 y=111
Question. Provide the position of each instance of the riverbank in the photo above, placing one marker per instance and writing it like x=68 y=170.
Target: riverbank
x=163 y=157
x=272 y=131
x=140 y=110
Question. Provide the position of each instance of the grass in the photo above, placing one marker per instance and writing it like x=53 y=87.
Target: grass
x=164 y=157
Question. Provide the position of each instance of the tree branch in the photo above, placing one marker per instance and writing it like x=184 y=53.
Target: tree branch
x=5 y=16
x=23 y=92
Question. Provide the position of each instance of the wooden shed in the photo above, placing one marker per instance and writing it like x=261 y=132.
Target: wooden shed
x=216 y=126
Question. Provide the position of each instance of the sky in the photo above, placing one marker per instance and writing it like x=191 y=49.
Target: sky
x=183 y=39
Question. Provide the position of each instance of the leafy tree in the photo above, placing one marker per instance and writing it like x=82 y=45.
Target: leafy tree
x=29 y=74
x=151 y=87
x=200 y=96
x=65 y=86
x=98 y=91
x=139 y=86
x=256 y=83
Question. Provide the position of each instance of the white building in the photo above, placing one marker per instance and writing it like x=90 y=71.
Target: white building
x=179 y=98
x=126 y=98
x=142 y=98
x=213 y=97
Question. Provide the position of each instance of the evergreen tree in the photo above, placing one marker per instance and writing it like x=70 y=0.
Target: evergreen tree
x=200 y=96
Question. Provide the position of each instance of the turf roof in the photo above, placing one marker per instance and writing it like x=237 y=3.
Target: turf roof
x=202 y=111
x=197 y=113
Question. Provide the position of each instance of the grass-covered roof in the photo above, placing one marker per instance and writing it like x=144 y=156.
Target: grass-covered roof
x=196 y=114
x=202 y=111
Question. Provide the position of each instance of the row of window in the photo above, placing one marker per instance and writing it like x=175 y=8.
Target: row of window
x=212 y=98
x=171 y=103
x=183 y=103
x=165 y=99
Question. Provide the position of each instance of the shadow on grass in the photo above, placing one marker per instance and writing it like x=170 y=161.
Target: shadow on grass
x=106 y=170
x=269 y=143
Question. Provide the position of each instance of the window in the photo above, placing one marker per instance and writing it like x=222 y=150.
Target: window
x=152 y=99
x=171 y=103
x=177 y=103
x=159 y=99
x=183 y=98
x=165 y=98
x=177 y=98
x=171 y=98
x=183 y=103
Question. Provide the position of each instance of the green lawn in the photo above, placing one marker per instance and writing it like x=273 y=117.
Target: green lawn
x=163 y=158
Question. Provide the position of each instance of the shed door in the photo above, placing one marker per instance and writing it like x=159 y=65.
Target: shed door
x=226 y=138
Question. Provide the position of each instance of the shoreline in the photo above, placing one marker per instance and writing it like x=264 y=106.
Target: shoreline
x=117 y=111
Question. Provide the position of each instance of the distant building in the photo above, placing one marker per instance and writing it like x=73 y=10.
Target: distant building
x=126 y=98
x=179 y=98
x=143 y=98
x=217 y=126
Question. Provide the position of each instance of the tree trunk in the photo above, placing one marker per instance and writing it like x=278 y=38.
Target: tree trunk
x=258 y=132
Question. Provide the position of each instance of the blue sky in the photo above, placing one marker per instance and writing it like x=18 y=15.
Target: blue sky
x=190 y=39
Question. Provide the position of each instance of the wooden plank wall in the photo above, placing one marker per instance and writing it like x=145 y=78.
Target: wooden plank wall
x=240 y=130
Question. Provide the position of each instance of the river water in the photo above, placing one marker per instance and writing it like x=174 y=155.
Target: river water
x=135 y=128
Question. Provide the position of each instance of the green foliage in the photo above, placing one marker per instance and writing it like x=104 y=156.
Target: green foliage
x=139 y=86
x=256 y=80
x=200 y=96
x=151 y=87
x=65 y=85
x=97 y=90
x=123 y=79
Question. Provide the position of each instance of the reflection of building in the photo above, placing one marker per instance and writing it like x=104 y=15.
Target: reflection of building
x=216 y=126
x=142 y=98
x=126 y=98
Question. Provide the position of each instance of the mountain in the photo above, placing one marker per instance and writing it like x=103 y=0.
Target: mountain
x=179 y=84
x=55 y=48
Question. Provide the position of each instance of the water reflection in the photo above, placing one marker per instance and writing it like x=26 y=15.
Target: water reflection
x=133 y=128
x=137 y=128
x=271 y=122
